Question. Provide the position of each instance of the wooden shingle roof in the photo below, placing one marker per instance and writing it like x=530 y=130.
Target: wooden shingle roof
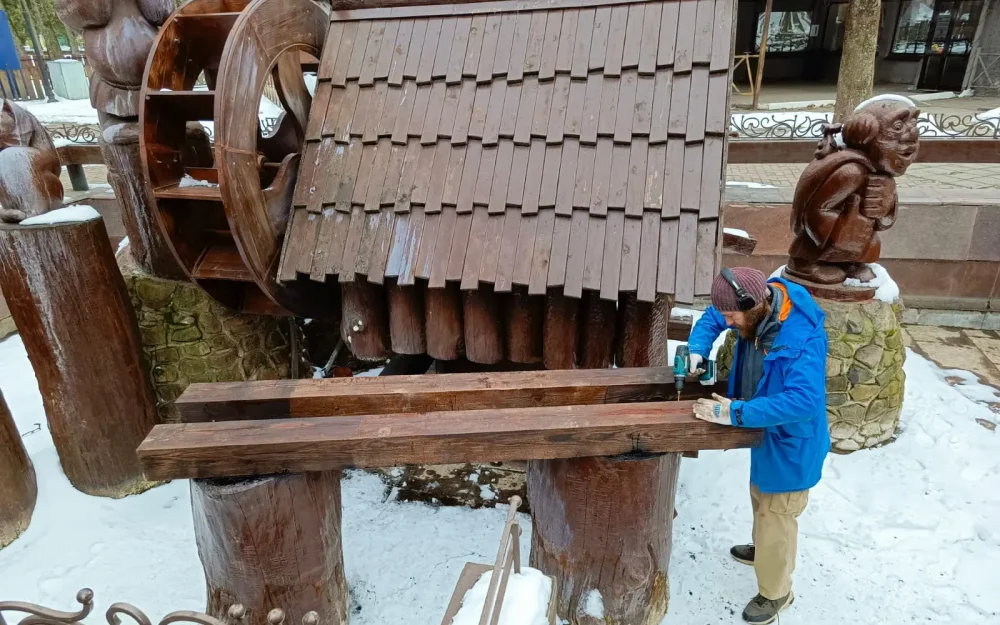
x=511 y=143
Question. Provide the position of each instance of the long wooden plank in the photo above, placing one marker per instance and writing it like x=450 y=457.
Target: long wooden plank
x=226 y=449
x=332 y=397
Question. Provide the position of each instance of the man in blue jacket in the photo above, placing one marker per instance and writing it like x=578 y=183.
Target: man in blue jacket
x=778 y=382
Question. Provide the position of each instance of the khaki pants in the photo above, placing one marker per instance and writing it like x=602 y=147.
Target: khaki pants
x=776 y=537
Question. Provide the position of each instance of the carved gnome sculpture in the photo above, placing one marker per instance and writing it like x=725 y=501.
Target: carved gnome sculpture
x=29 y=166
x=844 y=199
x=847 y=194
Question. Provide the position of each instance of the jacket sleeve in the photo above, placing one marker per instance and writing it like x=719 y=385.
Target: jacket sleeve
x=803 y=395
x=704 y=333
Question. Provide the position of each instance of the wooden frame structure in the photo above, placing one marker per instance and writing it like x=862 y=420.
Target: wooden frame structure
x=583 y=422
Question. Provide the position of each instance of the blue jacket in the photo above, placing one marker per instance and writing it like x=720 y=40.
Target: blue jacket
x=790 y=403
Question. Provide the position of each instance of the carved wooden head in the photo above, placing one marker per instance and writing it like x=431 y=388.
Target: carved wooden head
x=886 y=129
x=119 y=35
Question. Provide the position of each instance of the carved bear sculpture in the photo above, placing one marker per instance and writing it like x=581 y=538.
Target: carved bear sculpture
x=29 y=166
x=847 y=194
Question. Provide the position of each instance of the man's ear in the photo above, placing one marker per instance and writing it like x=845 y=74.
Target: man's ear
x=860 y=130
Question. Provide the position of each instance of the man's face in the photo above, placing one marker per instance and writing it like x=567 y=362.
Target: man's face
x=736 y=319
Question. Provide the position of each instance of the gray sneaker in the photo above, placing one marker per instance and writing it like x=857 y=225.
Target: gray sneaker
x=743 y=553
x=761 y=611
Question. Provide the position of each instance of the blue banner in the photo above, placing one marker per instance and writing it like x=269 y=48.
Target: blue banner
x=10 y=59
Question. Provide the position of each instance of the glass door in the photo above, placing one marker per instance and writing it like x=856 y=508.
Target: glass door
x=949 y=44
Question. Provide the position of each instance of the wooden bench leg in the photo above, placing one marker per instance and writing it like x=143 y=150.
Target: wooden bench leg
x=602 y=527
x=272 y=542
x=77 y=177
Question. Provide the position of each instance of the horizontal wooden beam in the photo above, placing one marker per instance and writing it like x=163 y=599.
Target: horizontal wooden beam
x=760 y=151
x=238 y=448
x=276 y=399
x=80 y=154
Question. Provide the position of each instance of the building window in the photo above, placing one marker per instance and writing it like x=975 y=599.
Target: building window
x=789 y=31
x=913 y=27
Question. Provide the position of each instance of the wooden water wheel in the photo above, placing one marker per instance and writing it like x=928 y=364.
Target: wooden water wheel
x=224 y=217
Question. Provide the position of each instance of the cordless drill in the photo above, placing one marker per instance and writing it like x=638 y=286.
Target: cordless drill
x=682 y=362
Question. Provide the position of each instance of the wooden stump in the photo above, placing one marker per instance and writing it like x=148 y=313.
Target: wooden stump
x=604 y=525
x=69 y=302
x=18 y=488
x=270 y=542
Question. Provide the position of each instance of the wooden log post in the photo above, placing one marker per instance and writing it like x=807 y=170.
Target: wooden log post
x=364 y=323
x=443 y=322
x=483 y=322
x=69 y=302
x=406 y=319
x=524 y=322
x=18 y=488
x=272 y=541
x=603 y=526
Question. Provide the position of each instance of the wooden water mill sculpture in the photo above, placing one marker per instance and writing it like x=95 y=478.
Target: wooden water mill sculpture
x=224 y=221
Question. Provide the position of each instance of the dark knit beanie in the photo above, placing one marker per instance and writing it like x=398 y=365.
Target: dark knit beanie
x=753 y=282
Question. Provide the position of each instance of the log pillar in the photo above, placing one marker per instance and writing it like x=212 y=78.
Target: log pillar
x=603 y=526
x=272 y=541
x=18 y=488
x=70 y=304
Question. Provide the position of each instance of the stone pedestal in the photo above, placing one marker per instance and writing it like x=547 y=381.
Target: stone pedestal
x=864 y=373
x=188 y=337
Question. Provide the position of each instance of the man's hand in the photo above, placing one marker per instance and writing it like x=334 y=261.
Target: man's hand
x=715 y=410
x=696 y=364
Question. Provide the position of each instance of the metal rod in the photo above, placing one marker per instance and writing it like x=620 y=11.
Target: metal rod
x=42 y=67
x=762 y=53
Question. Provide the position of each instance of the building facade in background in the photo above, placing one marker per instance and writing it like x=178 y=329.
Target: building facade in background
x=923 y=44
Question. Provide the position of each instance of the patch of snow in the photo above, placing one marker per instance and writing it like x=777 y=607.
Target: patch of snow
x=777 y=272
x=370 y=373
x=486 y=492
x=593 y=604
x=473 y=477
x=891 y=536
x=969 y=385
x=121 y=245
x=188 y=181
x=318 y=373
x=62 y=111
x=886 y=289
x=526 y=601
x=68 y=214
x=736 y=232
x=396 y=472
x=749 y=185
x=62 y=142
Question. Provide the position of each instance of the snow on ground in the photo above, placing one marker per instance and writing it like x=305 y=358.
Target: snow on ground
x=909 y=532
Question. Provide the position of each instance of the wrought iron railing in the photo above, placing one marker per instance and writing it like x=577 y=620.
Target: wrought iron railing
x=90 y=133
x=809 y=125
x=40 y=615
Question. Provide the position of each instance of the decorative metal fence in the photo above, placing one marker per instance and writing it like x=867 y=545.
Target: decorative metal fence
x=780 y=125
x=90 y=133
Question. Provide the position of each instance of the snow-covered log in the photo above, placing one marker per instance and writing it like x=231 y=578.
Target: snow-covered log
x=17 y=480
x=272 y=541
x=69 y=302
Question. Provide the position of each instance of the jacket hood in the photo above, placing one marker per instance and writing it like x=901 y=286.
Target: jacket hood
x=804 y=307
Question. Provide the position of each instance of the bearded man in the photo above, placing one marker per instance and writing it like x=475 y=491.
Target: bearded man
x=778 y=383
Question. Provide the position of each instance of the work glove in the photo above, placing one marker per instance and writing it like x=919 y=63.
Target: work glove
x=715 y=410
x=696 y=364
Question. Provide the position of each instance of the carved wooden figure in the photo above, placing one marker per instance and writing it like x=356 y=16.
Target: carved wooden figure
x=847 y=195
x=29 y=166
x=18 y=488
x=118 y=36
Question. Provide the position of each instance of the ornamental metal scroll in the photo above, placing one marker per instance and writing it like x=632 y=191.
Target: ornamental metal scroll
x=797 y=125
x=128 y=614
